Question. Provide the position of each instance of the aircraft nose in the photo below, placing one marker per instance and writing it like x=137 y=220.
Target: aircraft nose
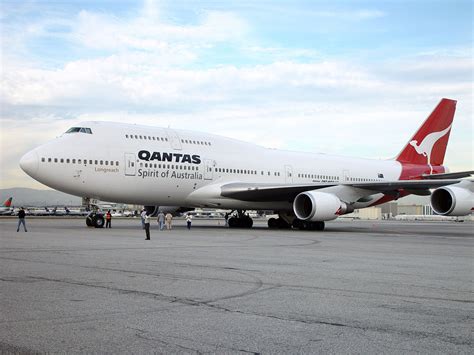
x=29 y=162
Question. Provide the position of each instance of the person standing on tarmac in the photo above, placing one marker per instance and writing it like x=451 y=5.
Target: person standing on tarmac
x=108 y=219
x=146 y=221
x=142 y=218
x=169 y=219
x=189 y=219
x=161 y=220
x=21 y=219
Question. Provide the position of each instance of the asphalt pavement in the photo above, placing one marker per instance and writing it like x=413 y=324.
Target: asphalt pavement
x=358 y=287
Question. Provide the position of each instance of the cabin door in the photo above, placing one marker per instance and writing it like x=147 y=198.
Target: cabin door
x=130 y=164
x=208 y=169
x=288 y=174
x=174 y=139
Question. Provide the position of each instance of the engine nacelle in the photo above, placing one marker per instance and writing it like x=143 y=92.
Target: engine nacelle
x=318 y=206
x=452 y=201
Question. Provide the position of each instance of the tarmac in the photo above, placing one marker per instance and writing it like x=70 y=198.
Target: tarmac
x=358 y=287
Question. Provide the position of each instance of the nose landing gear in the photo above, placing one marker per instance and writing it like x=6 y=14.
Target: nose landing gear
x=241 y=220
x=95 y=219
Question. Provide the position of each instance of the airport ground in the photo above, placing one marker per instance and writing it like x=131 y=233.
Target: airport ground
x=358 y=287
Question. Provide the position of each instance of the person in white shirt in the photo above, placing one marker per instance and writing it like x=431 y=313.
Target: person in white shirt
x=161 y=220
x=146 y=220
x=189 y=219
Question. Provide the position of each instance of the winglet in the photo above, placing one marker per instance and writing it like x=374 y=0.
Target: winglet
x=428 y=145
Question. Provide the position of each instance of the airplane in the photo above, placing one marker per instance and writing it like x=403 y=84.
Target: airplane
x=179 y=170
x=6 y=208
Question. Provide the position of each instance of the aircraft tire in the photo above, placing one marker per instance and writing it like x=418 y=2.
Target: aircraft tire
x=282 y=224
x=233 y=222
x=89 y=222
x=99 y=221
x=249 y=222
x=320 y=226
x=272 y=223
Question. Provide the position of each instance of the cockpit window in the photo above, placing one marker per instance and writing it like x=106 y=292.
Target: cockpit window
x=79 y=129
x=73 y=130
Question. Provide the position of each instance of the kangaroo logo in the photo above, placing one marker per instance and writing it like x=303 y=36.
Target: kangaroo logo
x=426 y=146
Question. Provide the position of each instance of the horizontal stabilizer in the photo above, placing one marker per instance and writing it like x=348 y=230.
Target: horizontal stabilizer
x=457 y=175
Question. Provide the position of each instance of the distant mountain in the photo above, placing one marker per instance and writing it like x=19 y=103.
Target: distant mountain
x=32 y=197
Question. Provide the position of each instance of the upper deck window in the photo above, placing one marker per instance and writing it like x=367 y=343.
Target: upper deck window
x=79 y=129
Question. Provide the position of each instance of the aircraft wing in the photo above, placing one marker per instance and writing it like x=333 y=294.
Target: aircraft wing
x=287 y=192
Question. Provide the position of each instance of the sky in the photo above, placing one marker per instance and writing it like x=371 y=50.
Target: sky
x=354 y=78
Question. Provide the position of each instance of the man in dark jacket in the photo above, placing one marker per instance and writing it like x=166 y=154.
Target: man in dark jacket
x=21 y=219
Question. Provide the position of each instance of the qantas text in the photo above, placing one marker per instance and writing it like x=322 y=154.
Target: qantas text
x=171 y=157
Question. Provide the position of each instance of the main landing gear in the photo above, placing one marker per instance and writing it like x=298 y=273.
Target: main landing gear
x=241 y=220
x=288 y=222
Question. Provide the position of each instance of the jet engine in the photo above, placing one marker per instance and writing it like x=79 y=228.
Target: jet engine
x=315 y=206
x=452 y=201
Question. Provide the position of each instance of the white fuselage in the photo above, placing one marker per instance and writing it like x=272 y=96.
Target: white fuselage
x=158 y=166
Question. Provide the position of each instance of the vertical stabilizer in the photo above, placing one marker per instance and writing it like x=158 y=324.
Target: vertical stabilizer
x=8 y=202
x=428 y=145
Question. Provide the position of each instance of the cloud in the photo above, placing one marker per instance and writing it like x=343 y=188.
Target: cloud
x=148 y=33
x=356 y=15
x=141 y=68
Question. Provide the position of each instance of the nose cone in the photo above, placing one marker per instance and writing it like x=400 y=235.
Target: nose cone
x=29 y=162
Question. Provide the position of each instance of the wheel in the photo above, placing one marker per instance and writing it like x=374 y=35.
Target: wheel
x=296 y=223
x=272 y=223
x=233 y=222
x=248 y=222
x=99 y=221
x=320 y=226
x=282 y=224
x=89 y=221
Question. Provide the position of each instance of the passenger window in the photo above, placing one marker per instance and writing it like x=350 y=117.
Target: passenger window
x=62 y=160
x=144 y=137
x=74 y=161
x=43 y=160
x=49 y=160
x=101 y=162
x=106 y=162
x=116 y=163
x=96 y=162
x=79 y=161
x=67 y=161
x=112 y=163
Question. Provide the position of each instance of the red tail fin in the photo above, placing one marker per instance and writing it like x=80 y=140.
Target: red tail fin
x=8 y=202
x=428 y=145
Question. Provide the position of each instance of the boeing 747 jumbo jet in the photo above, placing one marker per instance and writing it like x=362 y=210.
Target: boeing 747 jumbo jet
x=161 y=167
